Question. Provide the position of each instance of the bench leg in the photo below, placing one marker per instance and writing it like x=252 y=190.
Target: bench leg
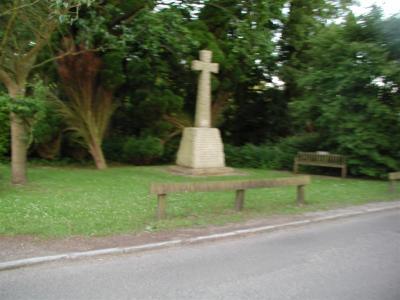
x=239 y=200
x=161 y=205
x=344 y=172
x=300 y=195
x=391 y=186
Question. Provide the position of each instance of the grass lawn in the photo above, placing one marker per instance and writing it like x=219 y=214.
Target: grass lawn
x=65 y=201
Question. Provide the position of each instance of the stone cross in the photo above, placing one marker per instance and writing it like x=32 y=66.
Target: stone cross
x=203 y=103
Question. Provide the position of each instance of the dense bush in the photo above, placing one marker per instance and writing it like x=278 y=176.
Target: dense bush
x=142 y=151
x=171 y=148
x=112 y=148
x=251 y=156
x=271 y=156
x=351 y=93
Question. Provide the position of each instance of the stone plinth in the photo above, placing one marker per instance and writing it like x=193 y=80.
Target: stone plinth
x=178 y=170
x=201 y=152
x=201 y=148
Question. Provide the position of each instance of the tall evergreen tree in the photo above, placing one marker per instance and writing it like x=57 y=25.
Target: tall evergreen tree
x=304 y=20
x=351 y=95
x=242 y=33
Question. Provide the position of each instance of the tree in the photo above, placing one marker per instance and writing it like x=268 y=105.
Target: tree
x=159 y=49
x=90 y=105
x=304 y=20
x=242 y=41
x=127 y=39
x=25 y=29
x=351 y=95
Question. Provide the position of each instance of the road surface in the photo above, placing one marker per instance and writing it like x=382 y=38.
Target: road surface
x=355 y=258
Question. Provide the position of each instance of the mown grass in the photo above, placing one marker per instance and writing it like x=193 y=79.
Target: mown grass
x=65 y=201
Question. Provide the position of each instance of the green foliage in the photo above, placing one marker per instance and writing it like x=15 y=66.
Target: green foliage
x=390 y=35
x=112 y=148
x=341 y=80
x=288 y=147
x=271 y=156
x=142 y=151
x=25 y=107
x=43 y=118
x=258 y=116
x=4 y=129
x=65 y=201
x=36 y=111
x=48 y=124
x=241 y=35
x=159 y=47
x=351 y=97
x=112 y=74
x=251 y=156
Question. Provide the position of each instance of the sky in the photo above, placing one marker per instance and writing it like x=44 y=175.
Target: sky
x=390 y=7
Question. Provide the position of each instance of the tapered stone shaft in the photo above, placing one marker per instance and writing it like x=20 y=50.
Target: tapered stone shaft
x=203 y=103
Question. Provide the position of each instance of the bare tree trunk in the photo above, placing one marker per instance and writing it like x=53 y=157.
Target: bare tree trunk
x=98 y=156
x=19 y=145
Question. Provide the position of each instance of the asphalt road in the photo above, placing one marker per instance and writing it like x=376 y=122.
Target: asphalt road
x=356 y=258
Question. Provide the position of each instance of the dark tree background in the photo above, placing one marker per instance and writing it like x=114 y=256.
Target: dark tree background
x=295 y=75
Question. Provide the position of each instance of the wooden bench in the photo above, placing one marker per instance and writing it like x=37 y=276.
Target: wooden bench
x=162 y=189
x=321 y=159
x=392 y=178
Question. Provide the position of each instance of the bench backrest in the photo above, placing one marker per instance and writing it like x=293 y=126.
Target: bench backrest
x=323 y=158
x=394 y=176
x=165 y=188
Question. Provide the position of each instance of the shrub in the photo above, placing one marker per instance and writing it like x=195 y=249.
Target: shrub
x=112 y=148
x=171 y=148
x=287 y=148
x=270 y=156
x=250 y=156
x=142 y=151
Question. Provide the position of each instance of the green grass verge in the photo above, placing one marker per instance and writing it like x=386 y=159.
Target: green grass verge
x=62 y=201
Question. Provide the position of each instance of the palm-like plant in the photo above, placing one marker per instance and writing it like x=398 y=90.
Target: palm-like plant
x=90 y=105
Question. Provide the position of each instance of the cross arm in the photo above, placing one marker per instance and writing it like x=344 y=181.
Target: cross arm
x=198 y=65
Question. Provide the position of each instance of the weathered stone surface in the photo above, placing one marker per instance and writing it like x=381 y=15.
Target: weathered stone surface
x=203 y=103
x=225 y=171
x=201 y=148
x=201 y=151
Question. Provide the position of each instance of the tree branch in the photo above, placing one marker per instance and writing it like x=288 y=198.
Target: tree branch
x=72 y=53
x=30 y=57
x=129 y=15
x=6 y=32
x=18 y=8
x=6 y=79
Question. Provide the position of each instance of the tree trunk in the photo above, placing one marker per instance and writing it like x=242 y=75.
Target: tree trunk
x=19 y=145
x=18 y=150
x=98 y=156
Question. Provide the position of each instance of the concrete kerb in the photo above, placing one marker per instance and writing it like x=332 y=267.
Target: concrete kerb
x=9 y=265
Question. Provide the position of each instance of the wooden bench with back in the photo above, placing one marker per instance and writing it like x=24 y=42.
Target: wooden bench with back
x=392 y=178
x=321 y=159
x=240 y=186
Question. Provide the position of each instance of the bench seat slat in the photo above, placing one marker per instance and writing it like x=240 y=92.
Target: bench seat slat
x=394 y=176
x=323 y=164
